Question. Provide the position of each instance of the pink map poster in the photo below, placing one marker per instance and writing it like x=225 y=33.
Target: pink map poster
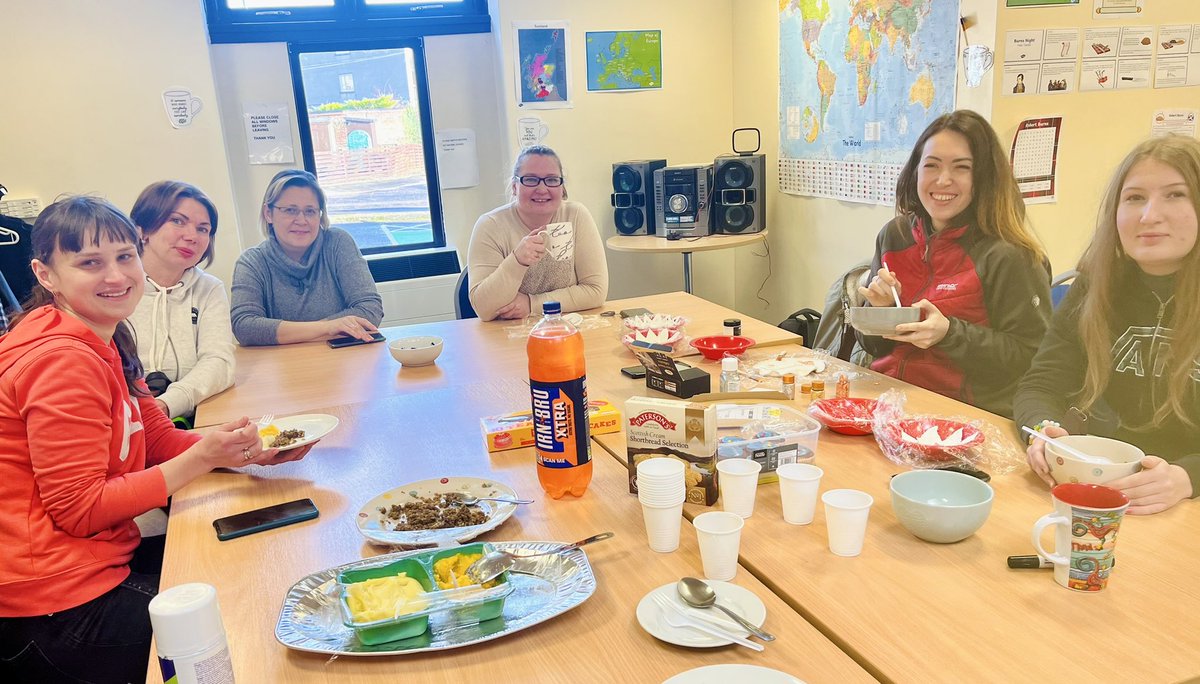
x=541 y=49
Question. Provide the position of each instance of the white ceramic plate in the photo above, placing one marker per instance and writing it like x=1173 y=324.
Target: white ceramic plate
x=724 y=674
x=315 y=426
x=372 y=526
x=740 y=600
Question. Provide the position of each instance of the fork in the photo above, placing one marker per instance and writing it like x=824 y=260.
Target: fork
x=675 y=617
x=266 y=420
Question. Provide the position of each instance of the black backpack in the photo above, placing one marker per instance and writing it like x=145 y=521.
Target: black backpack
x=803 y=323
x=831 y=331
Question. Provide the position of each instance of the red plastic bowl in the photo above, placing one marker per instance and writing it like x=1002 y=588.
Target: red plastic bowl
x=844 y=415
x=717 y=347
x=916 y=427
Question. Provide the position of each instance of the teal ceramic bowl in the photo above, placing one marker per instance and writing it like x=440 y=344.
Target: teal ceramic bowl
x=939 y=505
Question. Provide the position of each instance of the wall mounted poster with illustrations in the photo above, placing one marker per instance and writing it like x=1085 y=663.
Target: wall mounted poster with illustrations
x=623 y=60
x=541 y=49
x=1035 y=158
x=859 y=82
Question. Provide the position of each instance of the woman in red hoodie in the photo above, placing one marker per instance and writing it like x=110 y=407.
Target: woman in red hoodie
x=83 y=451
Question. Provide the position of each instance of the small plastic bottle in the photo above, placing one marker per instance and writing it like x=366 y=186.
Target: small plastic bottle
x=806 y=394
x=733 y=327
x=189 y=636
x=789 y=385
x=842 y=389
x=730 y=381
x=818 y=389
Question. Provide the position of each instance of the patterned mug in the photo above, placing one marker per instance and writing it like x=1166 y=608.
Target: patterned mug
x=1086 y=518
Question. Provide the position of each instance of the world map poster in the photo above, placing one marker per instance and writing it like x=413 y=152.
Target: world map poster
x=859 y=80
x=623 y=60
x=541 y=62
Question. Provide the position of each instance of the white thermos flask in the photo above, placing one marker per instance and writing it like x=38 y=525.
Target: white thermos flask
x=189 y=635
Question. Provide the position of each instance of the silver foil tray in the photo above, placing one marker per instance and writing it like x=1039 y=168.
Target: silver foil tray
x=544 y=587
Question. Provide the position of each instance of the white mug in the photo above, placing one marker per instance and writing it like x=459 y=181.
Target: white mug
x=532 y=130
x=181 y=106
x=977 y=60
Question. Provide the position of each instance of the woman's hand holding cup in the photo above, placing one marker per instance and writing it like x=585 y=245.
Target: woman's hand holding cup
x=531 y=249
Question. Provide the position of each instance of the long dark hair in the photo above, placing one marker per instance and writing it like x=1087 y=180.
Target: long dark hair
x=66 y=226
x=1104 y=261
x=156 y=203
x=996 y=201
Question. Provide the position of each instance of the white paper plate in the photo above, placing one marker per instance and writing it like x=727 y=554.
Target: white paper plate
x=730 y=673
x=740 y=600
x=371 y=522
x=315 y=426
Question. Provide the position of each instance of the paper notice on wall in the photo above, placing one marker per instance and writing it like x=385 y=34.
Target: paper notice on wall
x=1175 y=72
x=1173 y=121
x=458 y=161
x=1117 y=9
x=269 y=133
x=1035 y=158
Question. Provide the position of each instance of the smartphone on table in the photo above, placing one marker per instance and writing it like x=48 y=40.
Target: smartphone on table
x=263 y=519
x=347 y=341
x=635 y=372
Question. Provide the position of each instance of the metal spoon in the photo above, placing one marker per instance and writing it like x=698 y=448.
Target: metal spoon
x=472 y=500
x=697 y=594
x=496 y=561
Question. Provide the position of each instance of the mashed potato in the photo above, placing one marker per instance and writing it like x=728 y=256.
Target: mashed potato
x=451 y=572
x=385 y=597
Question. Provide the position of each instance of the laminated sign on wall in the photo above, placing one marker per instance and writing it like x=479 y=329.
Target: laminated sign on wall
x=269 y=133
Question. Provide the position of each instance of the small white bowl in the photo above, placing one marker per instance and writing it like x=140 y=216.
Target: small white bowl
x=1126 y=459
x=416 y=351
x=882 y=320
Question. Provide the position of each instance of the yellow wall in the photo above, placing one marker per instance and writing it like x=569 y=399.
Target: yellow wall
x=1099 y=128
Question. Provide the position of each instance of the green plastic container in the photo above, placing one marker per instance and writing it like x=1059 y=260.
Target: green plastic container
x=419 y=566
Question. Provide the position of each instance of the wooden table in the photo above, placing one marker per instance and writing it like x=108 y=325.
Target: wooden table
x=910 y=610
x=657 y=244
x=393 y=440
x=297 y=378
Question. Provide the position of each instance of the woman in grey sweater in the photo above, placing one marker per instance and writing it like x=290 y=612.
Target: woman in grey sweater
x=307 y=281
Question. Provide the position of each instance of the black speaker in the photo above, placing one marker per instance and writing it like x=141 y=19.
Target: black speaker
x=738 y=204
x=633 y=206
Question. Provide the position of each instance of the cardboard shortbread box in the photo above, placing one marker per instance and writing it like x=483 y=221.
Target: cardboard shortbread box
x=669 y=428
x=515 y=430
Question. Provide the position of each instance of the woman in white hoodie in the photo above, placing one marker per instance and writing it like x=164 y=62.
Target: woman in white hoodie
x=181 y=325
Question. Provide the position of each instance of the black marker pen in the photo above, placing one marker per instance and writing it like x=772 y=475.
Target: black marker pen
x=1028 y=562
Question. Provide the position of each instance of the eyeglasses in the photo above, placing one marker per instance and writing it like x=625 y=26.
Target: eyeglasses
x=532 y=181
x=295 y=212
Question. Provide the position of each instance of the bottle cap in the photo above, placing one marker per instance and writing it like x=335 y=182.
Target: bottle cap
x=789 y=378
x=731 y=322
x=805 y=388
x=729 y=363
x=818 y=385
x=551 y=308
x=186 y=619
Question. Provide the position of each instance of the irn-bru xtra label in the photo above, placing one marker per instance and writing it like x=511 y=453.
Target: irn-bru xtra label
x=560 y=423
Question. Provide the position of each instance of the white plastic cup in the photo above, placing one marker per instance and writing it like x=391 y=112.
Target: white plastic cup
x=720 y=536
x=846 y=512
x=662 y=526
x=739 y=481
x=798 y=487
x=660 y=468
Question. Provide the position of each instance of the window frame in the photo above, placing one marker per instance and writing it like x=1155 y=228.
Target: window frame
x=429 y=146
x=345 y=20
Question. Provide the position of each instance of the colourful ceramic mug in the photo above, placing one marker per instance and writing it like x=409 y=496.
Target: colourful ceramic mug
x=1086 y=519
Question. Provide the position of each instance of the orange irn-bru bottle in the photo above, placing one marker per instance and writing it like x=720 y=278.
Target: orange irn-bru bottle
x=558 y=391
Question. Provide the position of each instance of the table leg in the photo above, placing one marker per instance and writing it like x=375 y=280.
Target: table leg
x=687 y=272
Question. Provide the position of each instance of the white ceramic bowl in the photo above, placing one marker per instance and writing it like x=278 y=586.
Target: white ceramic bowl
x=416 y=351
x=1126 y=459
x=940 y=506
x=882 y=320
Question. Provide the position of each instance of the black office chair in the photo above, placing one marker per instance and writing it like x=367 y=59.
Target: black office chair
x=462 y=300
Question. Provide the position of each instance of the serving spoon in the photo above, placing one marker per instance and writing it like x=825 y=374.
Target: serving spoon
x=472 y=500
x=697 y=594
x=495 y=562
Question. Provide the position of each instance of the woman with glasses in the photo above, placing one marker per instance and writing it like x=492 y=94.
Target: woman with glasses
x=510 y=271
x=181 y=324
x=307 y=281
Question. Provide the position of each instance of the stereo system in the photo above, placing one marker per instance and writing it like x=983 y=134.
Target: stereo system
x=633 y=208
x=681 y=200
x=694 y=200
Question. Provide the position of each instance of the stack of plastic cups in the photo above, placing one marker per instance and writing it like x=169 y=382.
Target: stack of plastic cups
x=661 y=490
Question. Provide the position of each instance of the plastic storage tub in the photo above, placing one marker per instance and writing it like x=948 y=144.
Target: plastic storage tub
x=772 y=434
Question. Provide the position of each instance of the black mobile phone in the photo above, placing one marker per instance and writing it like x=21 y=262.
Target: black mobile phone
x=263 y=519
x=967 y=470
x=630 y=313
x=347 y=341
x=635 y=372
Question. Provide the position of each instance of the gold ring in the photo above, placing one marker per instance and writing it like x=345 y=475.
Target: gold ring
x=246 y=454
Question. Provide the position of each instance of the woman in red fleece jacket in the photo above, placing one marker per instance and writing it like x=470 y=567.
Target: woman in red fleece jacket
x=83 y=451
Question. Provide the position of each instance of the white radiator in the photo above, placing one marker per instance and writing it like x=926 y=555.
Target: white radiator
x=418 y=300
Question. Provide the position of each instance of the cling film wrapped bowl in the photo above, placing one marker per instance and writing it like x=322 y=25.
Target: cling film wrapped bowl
x=464 y=605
